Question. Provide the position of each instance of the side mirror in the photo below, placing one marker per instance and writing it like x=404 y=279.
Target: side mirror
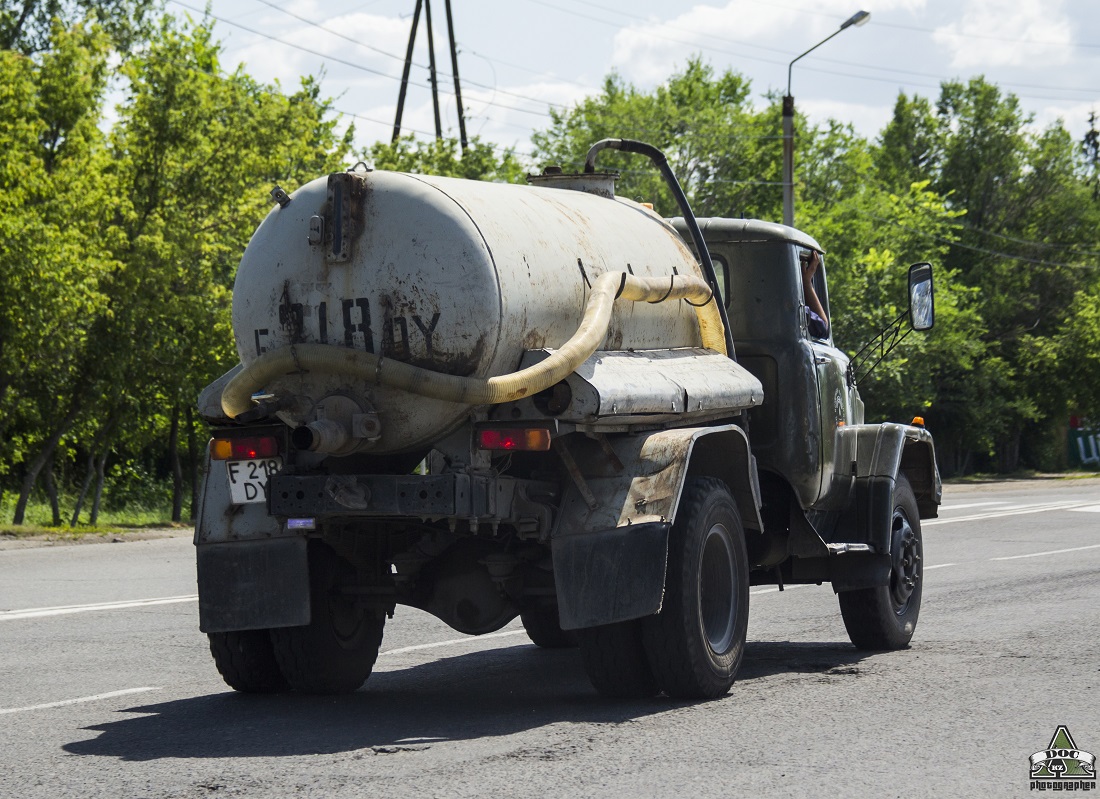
x=921 y=313
x=922 y=303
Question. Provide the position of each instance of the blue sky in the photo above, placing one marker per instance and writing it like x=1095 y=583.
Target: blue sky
x=518 y=57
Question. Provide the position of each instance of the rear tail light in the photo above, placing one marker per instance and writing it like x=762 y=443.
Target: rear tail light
x=243 y=449
x=514 y=438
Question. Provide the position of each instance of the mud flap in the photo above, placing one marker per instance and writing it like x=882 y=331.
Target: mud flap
x=611 y=575
x=251 y=585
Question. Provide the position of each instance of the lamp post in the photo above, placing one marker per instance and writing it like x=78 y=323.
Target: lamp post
x=859 y=18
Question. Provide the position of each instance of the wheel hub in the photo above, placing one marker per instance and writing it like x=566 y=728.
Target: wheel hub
x=906 y=568
x=716 y=590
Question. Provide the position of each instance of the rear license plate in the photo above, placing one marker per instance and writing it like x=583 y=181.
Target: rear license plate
x=248 y=479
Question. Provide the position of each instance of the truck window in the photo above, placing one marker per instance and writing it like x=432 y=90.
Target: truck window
x=721 y=272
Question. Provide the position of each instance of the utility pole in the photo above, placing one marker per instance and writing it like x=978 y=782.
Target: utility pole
x=433 y=75
x=454 y=71
x=431 y=68
x=405 y=73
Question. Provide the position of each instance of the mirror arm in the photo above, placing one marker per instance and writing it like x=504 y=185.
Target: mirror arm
x=881 y=346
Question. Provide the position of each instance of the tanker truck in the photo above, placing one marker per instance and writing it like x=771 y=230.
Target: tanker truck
x=487 y=401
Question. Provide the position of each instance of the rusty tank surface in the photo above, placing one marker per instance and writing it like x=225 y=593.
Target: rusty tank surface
x=454 y=276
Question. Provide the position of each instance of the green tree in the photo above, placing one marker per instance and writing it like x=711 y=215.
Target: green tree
x=725 y=155
x=1028 y=223
x=197 y=151
x=125 y=276
x=480 y=161
x=52 y=258
x=26 y=25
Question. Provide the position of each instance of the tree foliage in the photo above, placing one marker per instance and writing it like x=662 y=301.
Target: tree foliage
x=26 y=26
x=480 y=160
x=119 y=267
x=1025 y=244
x=725 y=154
x=1007 y=213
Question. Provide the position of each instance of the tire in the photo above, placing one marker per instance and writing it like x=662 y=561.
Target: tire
x=614 y=659
x=544 y=629
x=885 y=617
x=336 y=651
x=695 y=644
x=246 y=661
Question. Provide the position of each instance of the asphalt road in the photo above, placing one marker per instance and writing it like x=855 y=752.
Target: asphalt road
x=109 y=691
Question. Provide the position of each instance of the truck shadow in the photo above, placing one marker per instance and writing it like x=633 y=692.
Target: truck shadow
x=478 y=695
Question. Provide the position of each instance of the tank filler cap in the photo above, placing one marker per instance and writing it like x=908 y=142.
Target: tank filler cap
x=279 y=196
x=601 y=184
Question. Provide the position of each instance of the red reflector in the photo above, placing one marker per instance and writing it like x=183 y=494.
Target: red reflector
x=244 y=449
x=514 y=438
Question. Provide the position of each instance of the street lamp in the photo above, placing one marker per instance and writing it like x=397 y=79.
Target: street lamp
x=859 y=18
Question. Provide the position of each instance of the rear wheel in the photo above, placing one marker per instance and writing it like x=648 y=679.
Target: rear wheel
x=614 y=659
x=695 y=644
x=544 y=629
x=885 y=617
x=336 y=651
x=246 y=661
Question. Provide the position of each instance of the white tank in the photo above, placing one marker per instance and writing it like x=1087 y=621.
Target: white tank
x=455 y=276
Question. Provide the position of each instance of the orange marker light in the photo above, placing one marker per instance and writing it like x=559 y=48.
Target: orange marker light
x=535 y=439
x=918 y=421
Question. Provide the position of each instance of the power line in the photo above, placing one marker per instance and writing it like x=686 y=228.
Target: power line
x=372 y=48
x=953 y=243
x=345 y=62
x=875 y=68
x=964 y=35
x=984 y=251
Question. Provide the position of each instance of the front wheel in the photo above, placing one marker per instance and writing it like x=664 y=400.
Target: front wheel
x=695 y=644
x=336 y=651
x=884 y=617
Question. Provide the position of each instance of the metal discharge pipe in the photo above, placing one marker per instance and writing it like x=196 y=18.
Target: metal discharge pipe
x=661 y=162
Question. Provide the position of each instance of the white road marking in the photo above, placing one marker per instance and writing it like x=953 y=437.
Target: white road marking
x=939 y=566
x=776 y=589
x=81 y=700
x=1089 y=509
x=1015 y=511
x=35 y=613
x=452 y=642
x=1048 y=552
x=953 y=506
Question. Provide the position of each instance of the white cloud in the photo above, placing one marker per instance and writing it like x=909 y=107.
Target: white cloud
x=739 y=31
x=868 y=120
x=649 y=52
x=993 y=33
x=1073 y=115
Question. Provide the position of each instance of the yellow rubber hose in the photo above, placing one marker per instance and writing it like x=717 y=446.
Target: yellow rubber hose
x=325 y=358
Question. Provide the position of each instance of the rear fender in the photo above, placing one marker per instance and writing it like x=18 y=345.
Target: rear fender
x=610 y=554
x=253 y=572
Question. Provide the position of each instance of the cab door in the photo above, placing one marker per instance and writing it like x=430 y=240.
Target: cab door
x=833 y=404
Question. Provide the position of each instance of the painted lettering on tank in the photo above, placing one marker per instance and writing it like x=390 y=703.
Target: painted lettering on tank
x=395 y=336
x=291 y=316
x=427 y=330
x=397 y=333
x=362 y=326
